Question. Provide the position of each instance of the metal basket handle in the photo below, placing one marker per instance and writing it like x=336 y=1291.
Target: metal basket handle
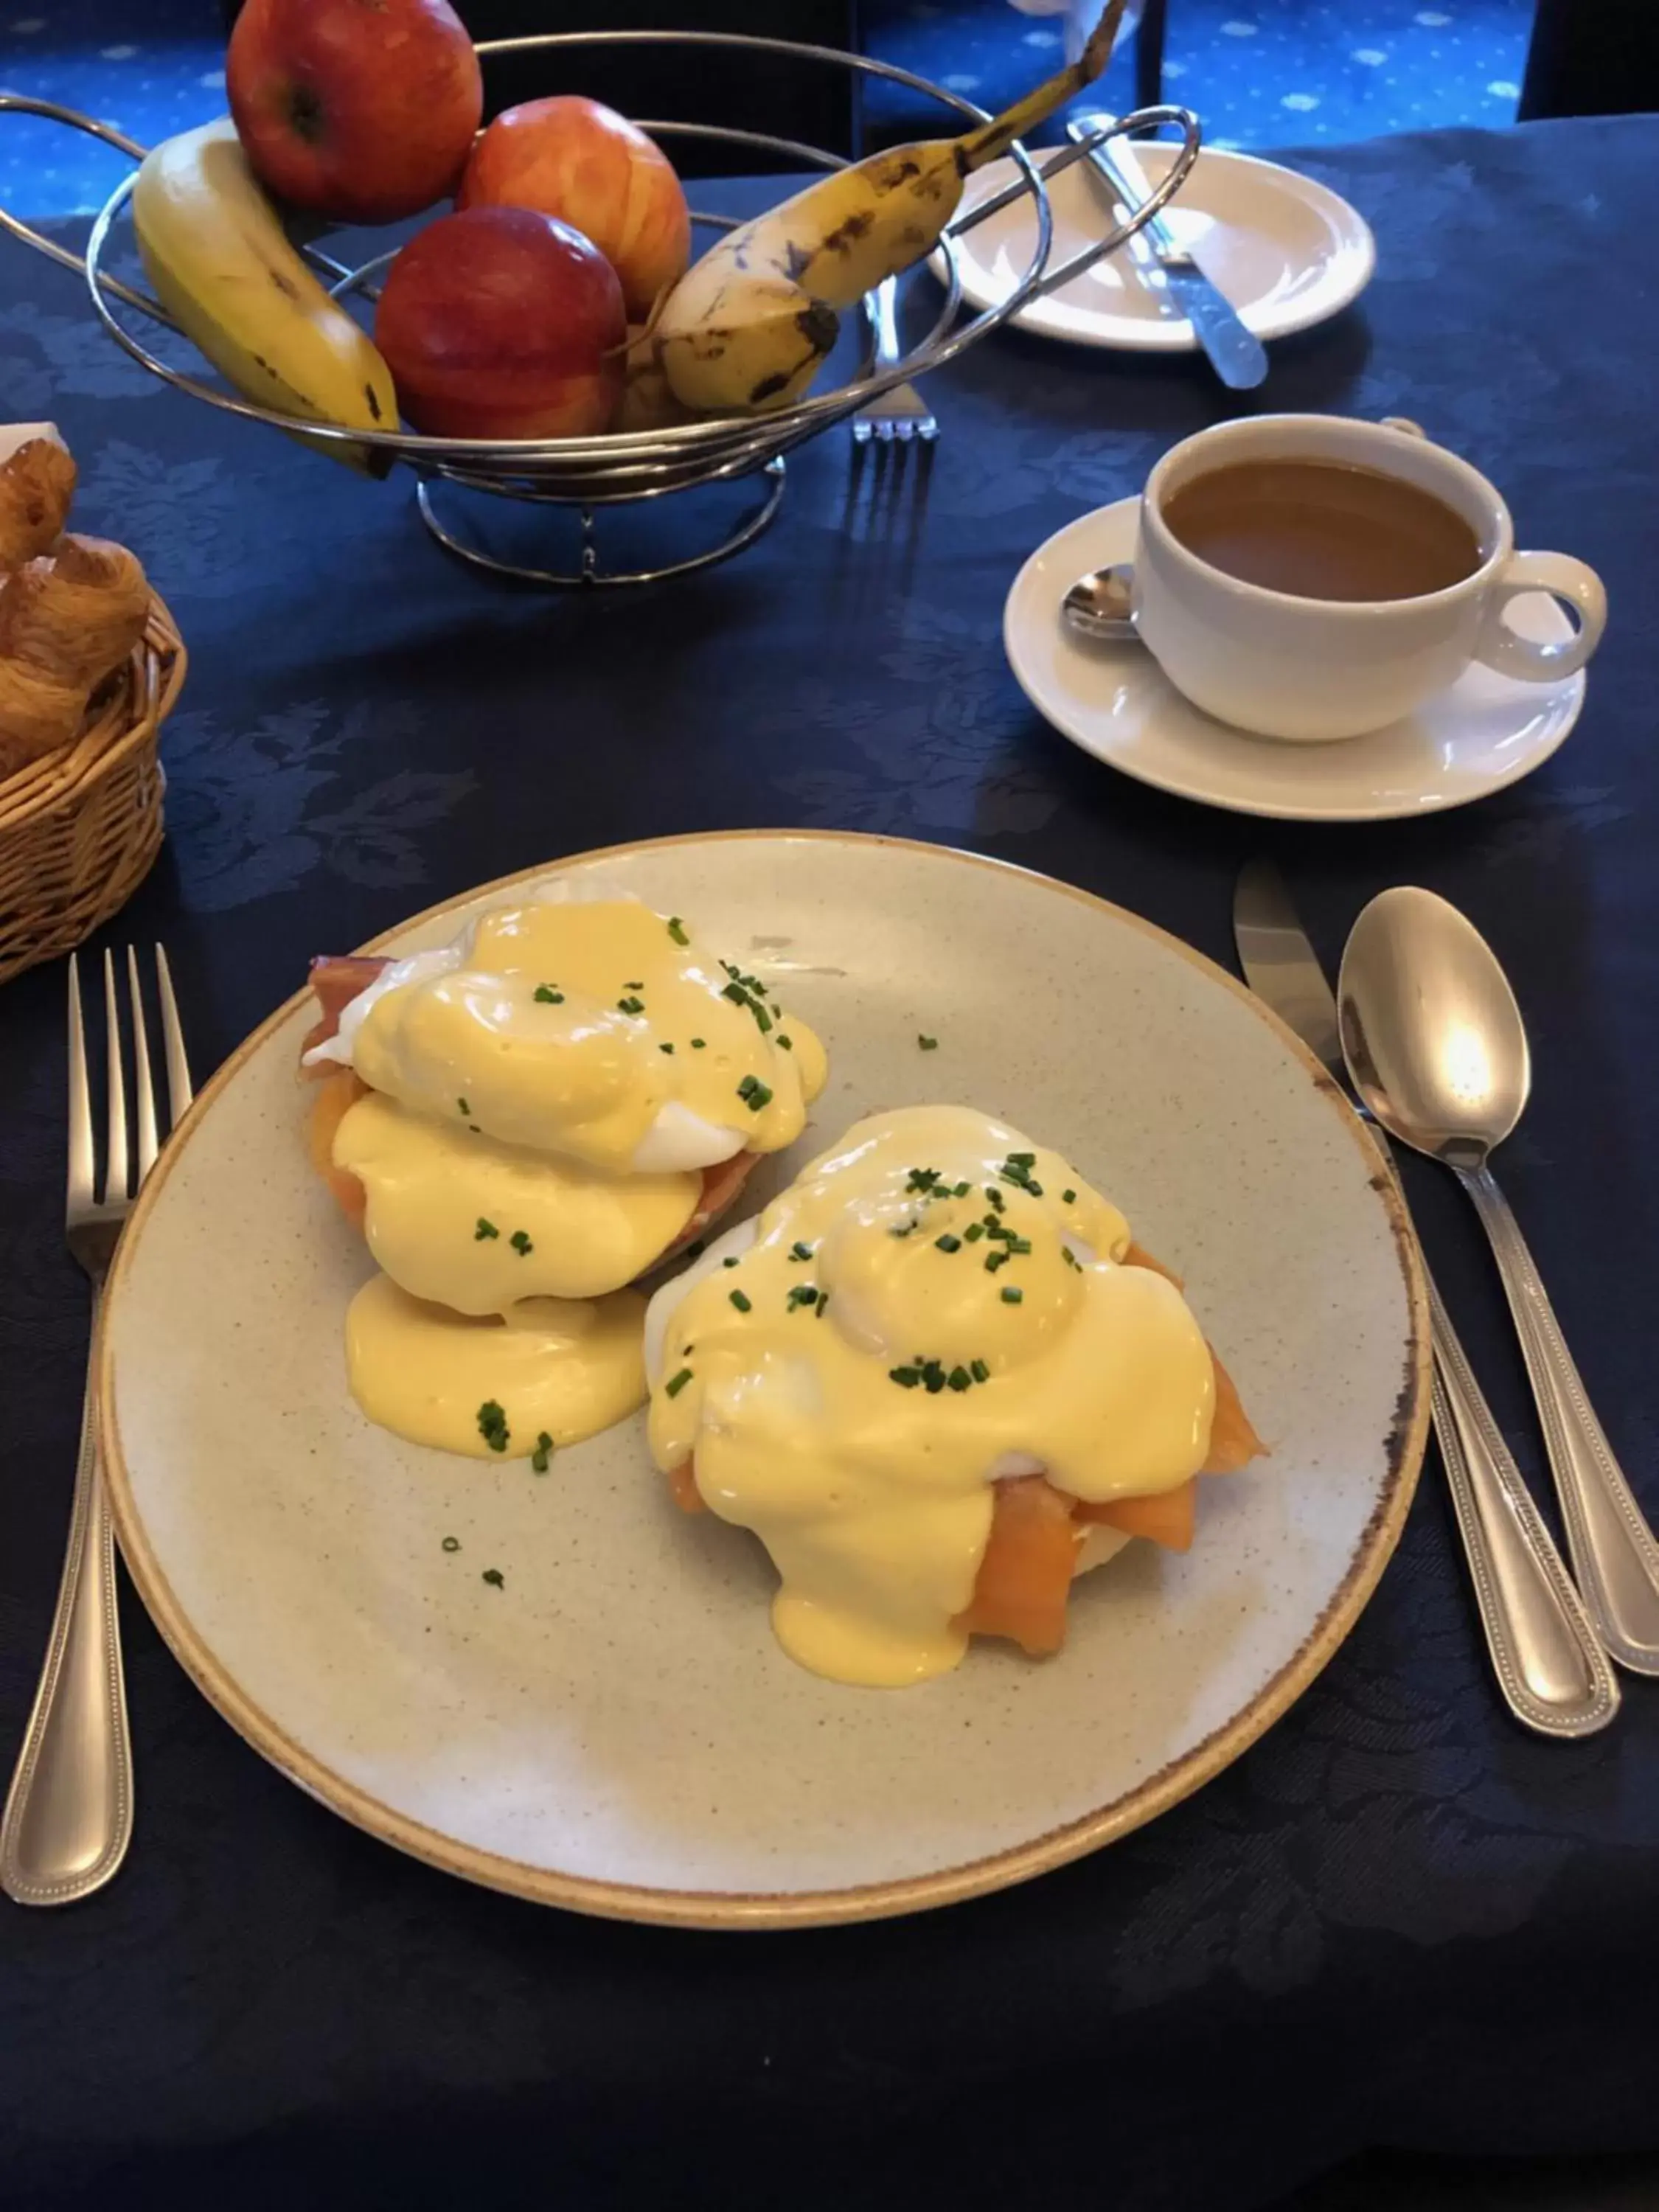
x=18 y=103
x=1039 y=280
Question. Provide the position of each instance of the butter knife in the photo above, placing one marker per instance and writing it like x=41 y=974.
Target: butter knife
x=1553 y=1673
x=1237 y=358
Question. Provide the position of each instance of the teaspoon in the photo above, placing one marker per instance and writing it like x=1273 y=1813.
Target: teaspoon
x=1435 y=1045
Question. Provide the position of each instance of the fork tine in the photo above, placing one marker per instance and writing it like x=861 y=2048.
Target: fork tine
x=179 y=1092
x=115 y=1136
x=82 y=1164
x=143 y=1081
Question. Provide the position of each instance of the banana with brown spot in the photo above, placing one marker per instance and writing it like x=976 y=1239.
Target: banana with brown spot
x=747 y=326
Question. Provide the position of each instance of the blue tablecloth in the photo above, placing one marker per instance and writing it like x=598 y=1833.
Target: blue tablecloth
x=1398 y=1920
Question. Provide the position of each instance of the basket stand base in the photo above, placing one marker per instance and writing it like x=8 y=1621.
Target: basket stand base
x=589 y=571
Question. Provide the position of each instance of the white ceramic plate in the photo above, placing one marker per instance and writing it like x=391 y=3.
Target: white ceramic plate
x=616 y=1729
x=1287 y=251
x=1484 y=733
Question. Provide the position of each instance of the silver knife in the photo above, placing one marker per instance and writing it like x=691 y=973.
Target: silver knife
x=1553 y=1673
x=1237 y=358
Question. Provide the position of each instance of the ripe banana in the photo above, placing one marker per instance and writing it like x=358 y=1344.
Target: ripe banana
x=747 y=326
x=216 y=252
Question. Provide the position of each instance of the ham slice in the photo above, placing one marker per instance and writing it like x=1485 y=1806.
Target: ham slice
x=337 y=979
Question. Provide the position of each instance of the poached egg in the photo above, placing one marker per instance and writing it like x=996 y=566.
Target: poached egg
x=936 y=1305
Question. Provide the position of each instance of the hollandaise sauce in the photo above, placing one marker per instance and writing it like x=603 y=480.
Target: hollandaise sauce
x=548 y=1372
x=594 y=1029
x=935 y=1304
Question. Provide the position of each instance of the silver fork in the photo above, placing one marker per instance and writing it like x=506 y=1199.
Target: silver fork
x=69 y=1813
x=898 y=416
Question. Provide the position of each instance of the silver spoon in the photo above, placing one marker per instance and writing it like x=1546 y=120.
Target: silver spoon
x=1097 y=606
x=1435 y=1045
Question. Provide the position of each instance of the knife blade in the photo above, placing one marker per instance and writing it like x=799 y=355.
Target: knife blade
x=1281 y=966
x=1551 y=1671
x=1237 y=357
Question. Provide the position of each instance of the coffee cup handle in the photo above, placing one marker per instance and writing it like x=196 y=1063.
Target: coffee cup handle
x=1563 y=578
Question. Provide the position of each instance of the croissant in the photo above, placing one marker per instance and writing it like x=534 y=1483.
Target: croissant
x=65 y=623
x=37 y=482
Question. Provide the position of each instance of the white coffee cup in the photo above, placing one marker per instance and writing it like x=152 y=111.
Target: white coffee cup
x=1280 y=665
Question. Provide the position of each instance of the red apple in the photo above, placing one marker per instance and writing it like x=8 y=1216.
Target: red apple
x=593 y=168
x=502 y=323
x=361 y=110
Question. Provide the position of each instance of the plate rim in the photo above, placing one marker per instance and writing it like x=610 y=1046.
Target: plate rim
x=727 y=1909
x=1573 y=692
x=1167 y=339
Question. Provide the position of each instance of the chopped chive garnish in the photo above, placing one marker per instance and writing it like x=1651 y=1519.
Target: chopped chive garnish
x=906 y=1377
x=799 y=1251
x=754 y=1094
x=958 y=1378
x=1019 y=1245
x=465 y=1108
x=763 y=1019
x=823 y=1300
x=678 y=1382
x=736 y=993
x=1071 y=1258
x=804 y=1294
x=543 y=1453
x=948 y=1243
x=974 y=1231
x=906 y=1229
x=635 y=983
x=995 y=1196
x=742 y=1301
x=630 y=1005
x=730 y=1260
x=519 y=1240
x=677 y=930
x=494 y=1576
x=452 y=1543
x=484 y=1229
x=1068 y=1198
x=995 y=1259
x=547 y=996
x=665 y=1047
x=960 y=1190
x=979 y=1370
x=922 y=1179
x=927 y=1043
x=492 y=1426
x=1022 y=1160
x=788 y=1043
x=932 y=1376
x=698 y=1044
x=1012 y=1295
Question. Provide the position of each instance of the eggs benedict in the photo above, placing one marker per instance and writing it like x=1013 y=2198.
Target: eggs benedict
x=938 y=1379
x=523 y=1122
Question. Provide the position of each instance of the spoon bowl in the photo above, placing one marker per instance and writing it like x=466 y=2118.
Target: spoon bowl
x=1430 y=1030
x=1098 y=605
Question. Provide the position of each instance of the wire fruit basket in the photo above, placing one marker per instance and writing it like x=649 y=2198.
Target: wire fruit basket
x=587 y=475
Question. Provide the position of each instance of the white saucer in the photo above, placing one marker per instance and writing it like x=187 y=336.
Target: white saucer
x=1484 y=733
x=1287 y=251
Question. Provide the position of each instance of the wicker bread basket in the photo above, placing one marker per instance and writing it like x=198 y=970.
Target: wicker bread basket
x=80 y=828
